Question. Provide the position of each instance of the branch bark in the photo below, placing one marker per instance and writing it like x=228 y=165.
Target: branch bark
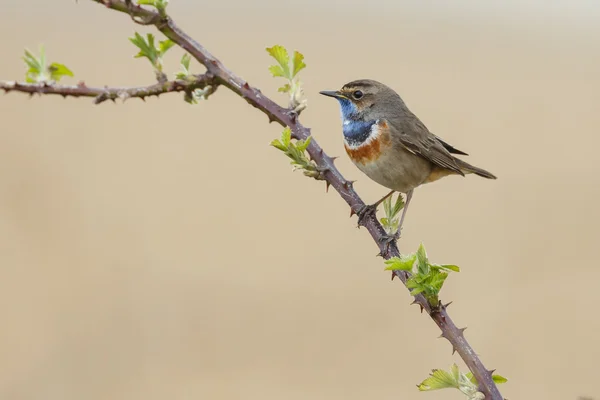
x=111 y=93
x=218 y=74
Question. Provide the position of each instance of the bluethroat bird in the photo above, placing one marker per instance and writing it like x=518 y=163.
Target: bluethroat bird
x=387 y=142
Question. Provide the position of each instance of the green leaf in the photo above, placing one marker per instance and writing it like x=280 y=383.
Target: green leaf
x=470 y=376
x=399 y=205
x=437 y=280
x=285 y=88
x=417 y=290
x=32 y=62
x=387 y=207
x=38 y=71
x=57 y=71
x=158 y=4
x=185 y=61
x=276 y=71
x=496 y=378
x=35 y=73
x=440 y=379
x=286 y=137
x=303 y=144
x=185 y=65
x=402 y=263
x=448 y=267
x=297 y=63
x=146 y=47
x=422 y=262
x=280 y=54
x=164 y=46
x=276 y=143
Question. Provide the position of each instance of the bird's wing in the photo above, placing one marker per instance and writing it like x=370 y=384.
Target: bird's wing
x=416 y=138
x=449 y=147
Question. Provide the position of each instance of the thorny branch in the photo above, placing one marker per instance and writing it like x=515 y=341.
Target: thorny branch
x=111 y=93
x=218 y=74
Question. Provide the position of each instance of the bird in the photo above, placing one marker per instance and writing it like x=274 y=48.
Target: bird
x=390 y=144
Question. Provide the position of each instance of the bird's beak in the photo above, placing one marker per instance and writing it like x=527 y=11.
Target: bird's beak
x=332 y=93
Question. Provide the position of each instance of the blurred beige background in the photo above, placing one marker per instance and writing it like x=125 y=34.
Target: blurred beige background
x=164 y=251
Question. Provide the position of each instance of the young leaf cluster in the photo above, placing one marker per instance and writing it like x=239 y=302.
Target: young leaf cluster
x=288 y=69
x=391 y=220
x=160 y=5
x=39 y=71
x=426 y=278
x=186 y=75
x=297 y=152
x=153 y=53
x=465 y=382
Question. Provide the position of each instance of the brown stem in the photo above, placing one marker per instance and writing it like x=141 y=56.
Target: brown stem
x=111 y=93
x=217 y=73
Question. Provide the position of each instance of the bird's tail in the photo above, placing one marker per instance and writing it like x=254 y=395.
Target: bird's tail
x=470 y=169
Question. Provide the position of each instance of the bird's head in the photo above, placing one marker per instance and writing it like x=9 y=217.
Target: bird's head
x=364 y=100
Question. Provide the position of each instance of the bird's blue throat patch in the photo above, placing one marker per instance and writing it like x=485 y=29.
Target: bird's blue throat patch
x=356 y=131
x=347 y=108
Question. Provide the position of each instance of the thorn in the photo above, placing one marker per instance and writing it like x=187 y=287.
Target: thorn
x=442 y=336
x=491 y=371
x=447 y=304
x=81 y=84
x=321 y=152
x=415 y=302
x=329 y=159
x=393 y=274
x=352 y=212
x=348 y=185
x=327 y=184
x=64 y=96
x=271 y=118
x=143 y=98
x=462 y=330
x=453 y=350
x=246 y=86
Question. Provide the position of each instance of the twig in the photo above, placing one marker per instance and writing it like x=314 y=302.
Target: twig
x=111 y=93
x=218 y=74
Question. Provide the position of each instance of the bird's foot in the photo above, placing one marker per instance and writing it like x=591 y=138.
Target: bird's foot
x=369 y=209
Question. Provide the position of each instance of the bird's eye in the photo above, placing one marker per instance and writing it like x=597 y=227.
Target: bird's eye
x=357 y=94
